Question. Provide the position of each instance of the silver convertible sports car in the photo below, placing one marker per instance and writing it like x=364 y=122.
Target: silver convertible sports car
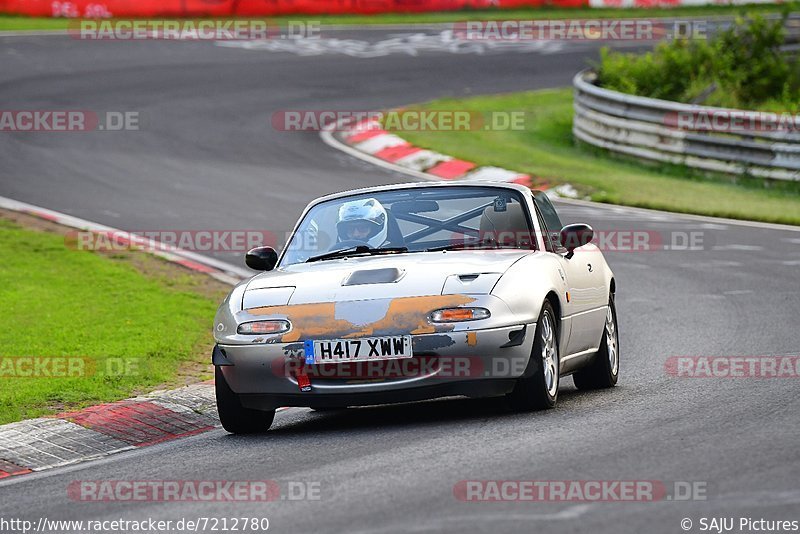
x=416 y=291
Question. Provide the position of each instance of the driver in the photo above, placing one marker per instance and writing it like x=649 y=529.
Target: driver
x=362 y=220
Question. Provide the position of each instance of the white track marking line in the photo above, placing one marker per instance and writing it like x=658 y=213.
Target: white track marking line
x=150 y=246
x=676 y=215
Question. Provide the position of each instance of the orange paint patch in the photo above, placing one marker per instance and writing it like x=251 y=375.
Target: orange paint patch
x=406 y=315
x=472 y=339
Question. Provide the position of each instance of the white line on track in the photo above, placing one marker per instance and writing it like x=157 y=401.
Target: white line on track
x=230 y=273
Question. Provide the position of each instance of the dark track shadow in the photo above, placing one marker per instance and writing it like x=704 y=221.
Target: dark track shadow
x=413 y=415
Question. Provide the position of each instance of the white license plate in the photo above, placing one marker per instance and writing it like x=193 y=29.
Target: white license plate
x=357 y=350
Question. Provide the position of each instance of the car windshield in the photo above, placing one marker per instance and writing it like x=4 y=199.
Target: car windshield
x=411 y=220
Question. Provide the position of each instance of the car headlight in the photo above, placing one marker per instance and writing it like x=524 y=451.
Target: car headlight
x=452 y=315
x=264 y=327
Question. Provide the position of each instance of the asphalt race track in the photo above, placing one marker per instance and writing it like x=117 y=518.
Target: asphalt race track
x=206 y=157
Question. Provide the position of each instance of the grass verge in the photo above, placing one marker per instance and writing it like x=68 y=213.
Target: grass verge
x=546 y=150
x=18 y=22
x=122 y=324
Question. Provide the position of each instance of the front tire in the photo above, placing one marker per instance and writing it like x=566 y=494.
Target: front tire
x=604 y=370
x=235 y=418
x=537 y=389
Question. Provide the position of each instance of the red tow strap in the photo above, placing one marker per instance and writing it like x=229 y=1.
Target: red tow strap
x=303 y=381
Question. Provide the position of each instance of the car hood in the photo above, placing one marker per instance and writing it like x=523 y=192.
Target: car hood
x=380 y=277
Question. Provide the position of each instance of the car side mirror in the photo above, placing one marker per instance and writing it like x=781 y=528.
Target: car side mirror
x=576 y=235
x=261 y=258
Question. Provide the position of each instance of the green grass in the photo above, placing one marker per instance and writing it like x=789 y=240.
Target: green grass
x=15 y=23
x=546 y=150
x=60 y=302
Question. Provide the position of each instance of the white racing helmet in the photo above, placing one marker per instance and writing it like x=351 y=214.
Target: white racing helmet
x=357 y=215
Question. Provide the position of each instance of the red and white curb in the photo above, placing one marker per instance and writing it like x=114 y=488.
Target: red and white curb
x=224 y=272
x=72 y=437
x=368 y=141
x=98 y=431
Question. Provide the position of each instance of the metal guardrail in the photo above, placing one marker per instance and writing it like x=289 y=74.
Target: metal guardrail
x=683 y=134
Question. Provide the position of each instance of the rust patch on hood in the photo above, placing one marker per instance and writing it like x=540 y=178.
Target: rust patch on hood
x=405 y=315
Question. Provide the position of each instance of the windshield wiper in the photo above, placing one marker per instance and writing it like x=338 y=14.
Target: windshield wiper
x=451 y=246
x=474 y=245
x=357 y=250
x=479 y=244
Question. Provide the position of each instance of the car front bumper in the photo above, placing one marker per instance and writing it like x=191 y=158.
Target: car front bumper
x=481 y=362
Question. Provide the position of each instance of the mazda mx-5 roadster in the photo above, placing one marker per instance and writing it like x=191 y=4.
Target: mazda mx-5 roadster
x=417 y=291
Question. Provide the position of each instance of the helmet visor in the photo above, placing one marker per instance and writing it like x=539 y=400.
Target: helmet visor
x=357 y=229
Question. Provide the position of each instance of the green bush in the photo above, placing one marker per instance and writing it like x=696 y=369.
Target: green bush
x=740 y=67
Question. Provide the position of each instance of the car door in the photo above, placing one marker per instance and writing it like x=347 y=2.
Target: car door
x=585 y=311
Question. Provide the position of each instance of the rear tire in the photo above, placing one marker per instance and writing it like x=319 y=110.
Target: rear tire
x=235 y=418
x=537 y=389
x=604 y=370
